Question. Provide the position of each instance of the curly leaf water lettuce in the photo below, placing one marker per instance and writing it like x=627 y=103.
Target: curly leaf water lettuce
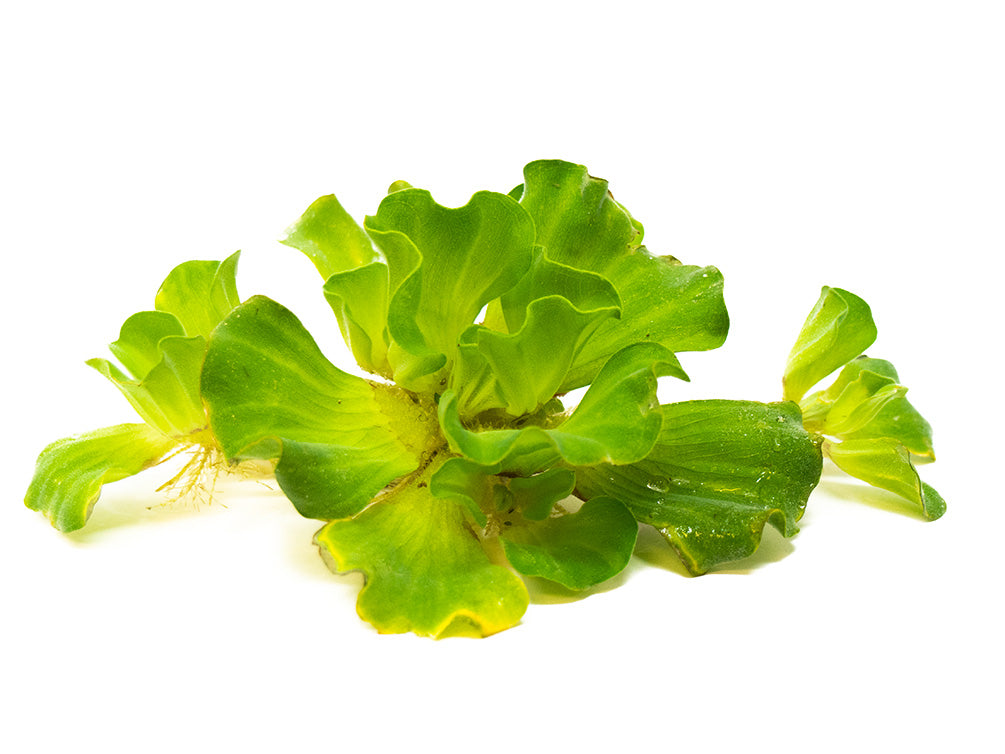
x=867 y=427
x=570 y=299
x=160 y=356
x=456 y=474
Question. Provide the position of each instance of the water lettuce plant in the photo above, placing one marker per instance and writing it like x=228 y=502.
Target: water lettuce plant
x=160 y=355
x=457 y=471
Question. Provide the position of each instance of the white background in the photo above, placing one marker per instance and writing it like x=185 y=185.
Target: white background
x=857 y=144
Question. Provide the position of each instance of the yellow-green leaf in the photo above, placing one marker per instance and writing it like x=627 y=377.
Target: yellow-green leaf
x=70 y=472
x=426 y=570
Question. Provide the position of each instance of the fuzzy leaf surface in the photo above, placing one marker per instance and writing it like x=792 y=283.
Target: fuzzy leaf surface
x=838 y=329
x=330 y=238
x=444 y=266
x=520 y=372
x=485 y=494
x=718 y=473
x=535 y=496
x=426 y=571
x=359 y=299
x=137 y=347
x=579 y=224
x=200 y=294
x=168 y=396
x=577 y=550
x=852 y=402
x=617 y=420
x=886 y=463
x=586 y=291
x=897 y=419
x=272 y=394
x=356 y=278
x=576 y=218
x=681 y=307
x=70 y=472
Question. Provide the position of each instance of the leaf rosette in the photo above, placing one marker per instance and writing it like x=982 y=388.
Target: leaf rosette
x=457 y=464
x=160 y=355
x=455 y=475
x=867 y=426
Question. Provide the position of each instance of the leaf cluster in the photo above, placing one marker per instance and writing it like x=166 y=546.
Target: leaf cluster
x=869 y=428
x=456 y=471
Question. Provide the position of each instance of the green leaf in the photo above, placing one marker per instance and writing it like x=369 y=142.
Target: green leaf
x=617 y=420
x=523 y=370
x=426 y=570
x=359 y=299
x=851 y=403
x=163 y=350
x=898 y=419
x=70 y=472
x=356 y=279
x=579 y=224
x=535 y=496
x=332 y=240
x=272 y=394
x=839 y=328
x=886 y=463
x=586 y=291
x=137 y=347
x=398 y=185
x=860 y=402
x=484 y=494
x=681 y=307
x=577 y=220
x=718 y=473
x=441 y=274
x=576 y=550
x=466 y=483
x=200 y=294
x=168 y=396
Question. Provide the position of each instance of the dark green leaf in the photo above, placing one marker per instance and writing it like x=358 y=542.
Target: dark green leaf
x=535 y=496
x=467 y=483
x=718 y=473
x=577 y=550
